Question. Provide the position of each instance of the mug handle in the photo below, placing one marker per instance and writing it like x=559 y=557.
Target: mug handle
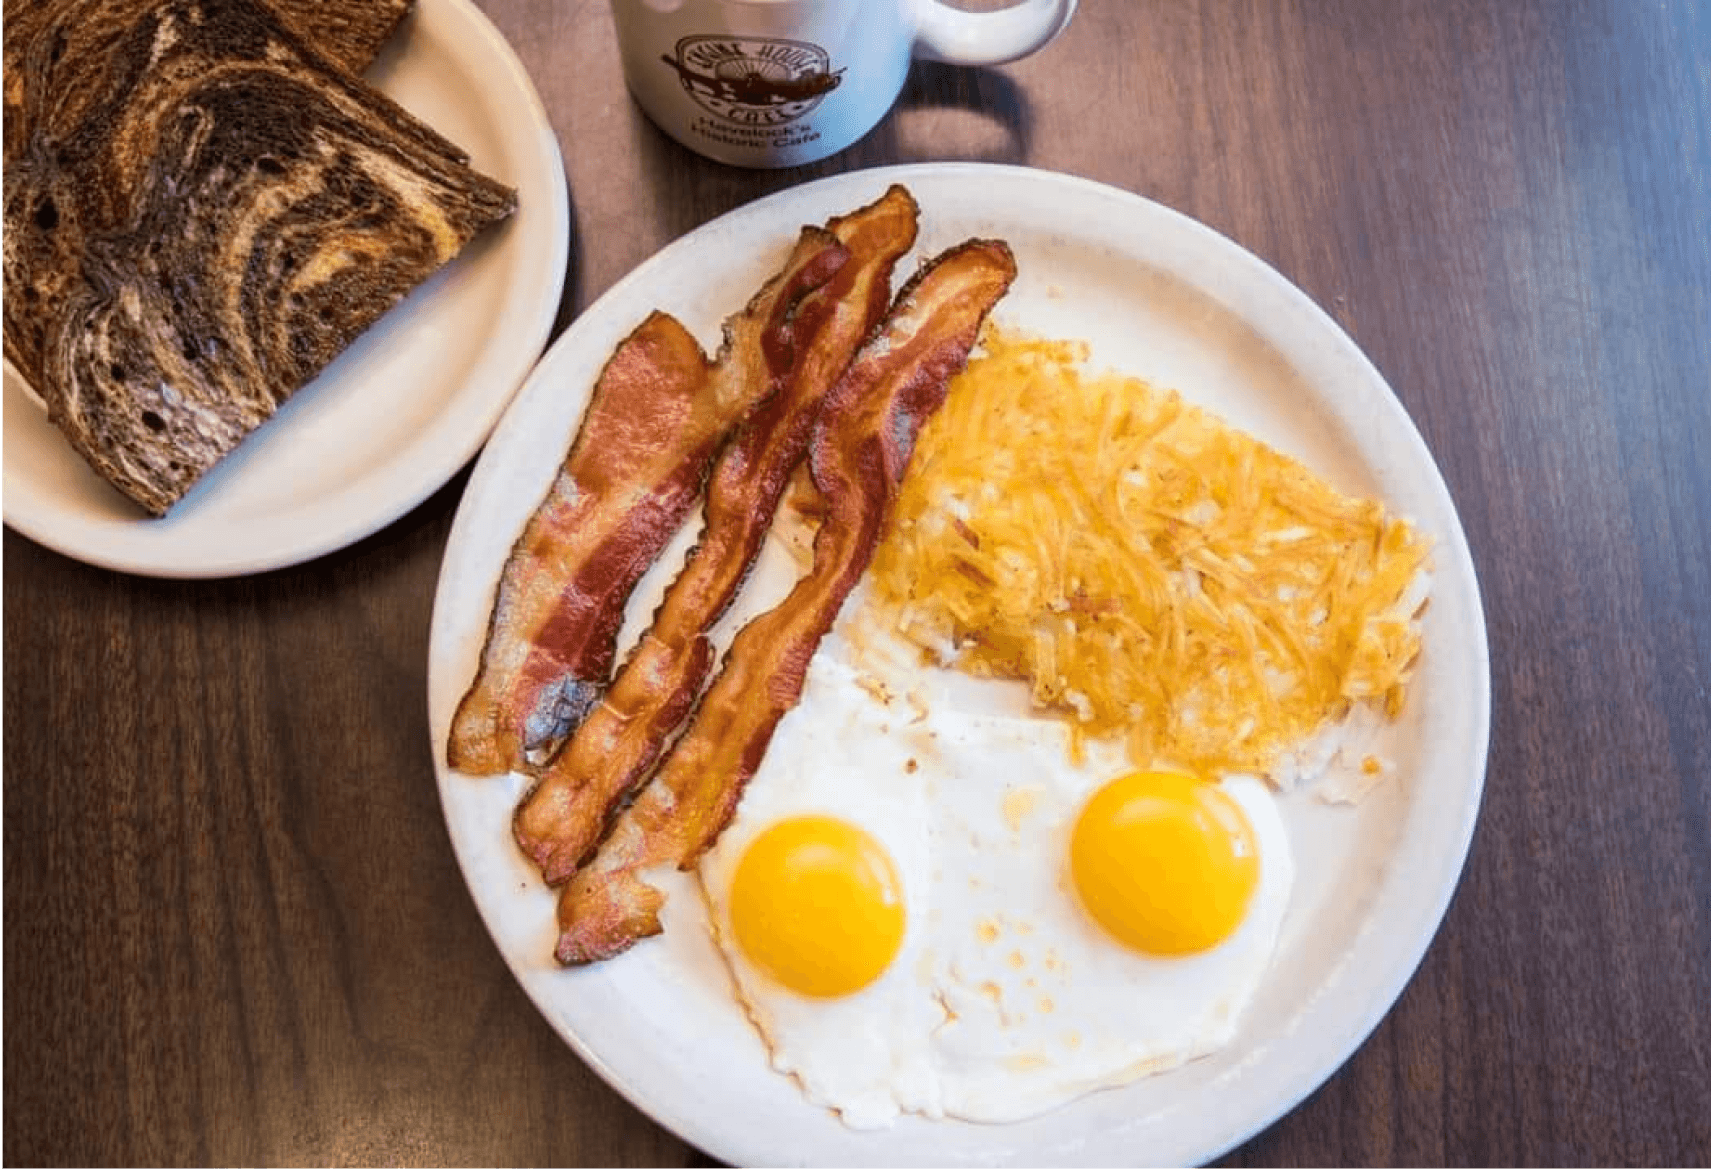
x=949 y=34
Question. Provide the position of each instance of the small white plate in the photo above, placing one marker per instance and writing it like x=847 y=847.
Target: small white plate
x=1156 y=295
x=395 y=416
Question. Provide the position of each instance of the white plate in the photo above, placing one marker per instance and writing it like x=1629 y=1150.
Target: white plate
x=399 y=412
x=1157 y=295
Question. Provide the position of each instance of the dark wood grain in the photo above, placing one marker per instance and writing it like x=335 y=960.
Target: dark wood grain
x=235 y=931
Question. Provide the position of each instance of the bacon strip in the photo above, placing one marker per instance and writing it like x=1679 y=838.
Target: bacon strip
x=561 y=821
x=861 y=449
x=658 y=415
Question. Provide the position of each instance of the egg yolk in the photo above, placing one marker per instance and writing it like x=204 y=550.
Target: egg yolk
x=1165 y=862
x=816 y=903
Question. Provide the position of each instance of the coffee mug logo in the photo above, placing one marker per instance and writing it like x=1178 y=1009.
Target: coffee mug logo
x=754 y=81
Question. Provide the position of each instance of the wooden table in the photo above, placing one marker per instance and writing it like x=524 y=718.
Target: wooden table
x=235 y=930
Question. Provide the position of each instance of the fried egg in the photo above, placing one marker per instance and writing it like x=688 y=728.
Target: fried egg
x=931 y=909
x=818 y=890
x=1088 y=930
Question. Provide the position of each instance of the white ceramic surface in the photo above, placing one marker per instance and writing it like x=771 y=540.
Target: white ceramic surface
x=1157 y=295
x=770 y=83
x=399 y=412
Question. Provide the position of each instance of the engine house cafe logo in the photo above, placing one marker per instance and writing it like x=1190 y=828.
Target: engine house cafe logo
x=754 y=81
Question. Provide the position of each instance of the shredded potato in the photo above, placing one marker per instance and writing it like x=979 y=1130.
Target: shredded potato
x=1148 y=570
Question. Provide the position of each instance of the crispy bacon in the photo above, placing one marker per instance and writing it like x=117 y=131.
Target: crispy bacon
x=658 y=415
x=580 y=789
x=861 y=447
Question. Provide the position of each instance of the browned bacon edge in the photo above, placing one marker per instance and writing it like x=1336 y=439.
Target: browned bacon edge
x=657 y=416
x=861 y=447
x=582 y=787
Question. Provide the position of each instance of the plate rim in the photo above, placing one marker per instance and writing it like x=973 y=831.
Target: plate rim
x=740 y=1149
x=213 y=550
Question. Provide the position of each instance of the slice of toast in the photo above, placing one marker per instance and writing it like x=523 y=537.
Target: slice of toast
x=208 y=212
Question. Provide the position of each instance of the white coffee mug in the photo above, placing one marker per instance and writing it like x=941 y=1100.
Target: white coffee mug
x=768 y=83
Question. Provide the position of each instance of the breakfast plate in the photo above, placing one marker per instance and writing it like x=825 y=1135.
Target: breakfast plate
x=396 y=414
x=1156 y=295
